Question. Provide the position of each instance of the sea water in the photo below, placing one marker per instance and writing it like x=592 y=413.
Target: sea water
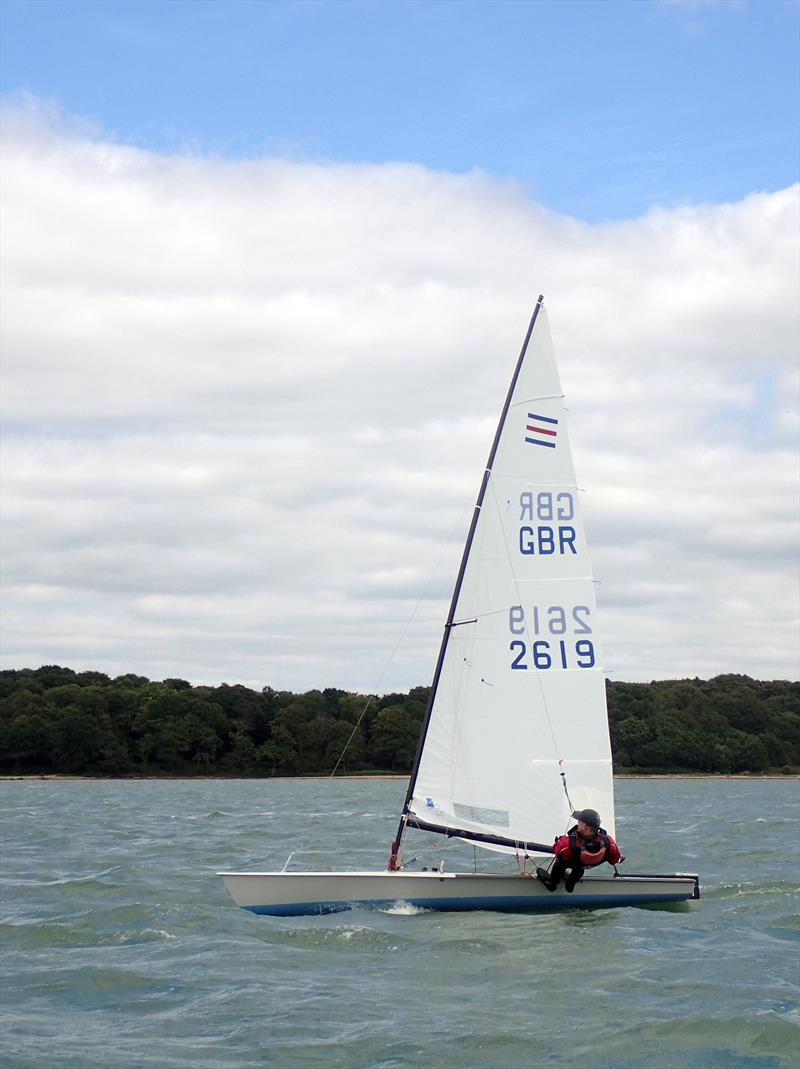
x=122 y=949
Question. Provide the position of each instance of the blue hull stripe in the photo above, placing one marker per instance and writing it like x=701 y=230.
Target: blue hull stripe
x=510 y=904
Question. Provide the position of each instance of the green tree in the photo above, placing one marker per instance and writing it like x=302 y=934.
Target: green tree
x=80 y=740
x=242 y=757
x=27 y=744
x=278 y=755
x=395 y=734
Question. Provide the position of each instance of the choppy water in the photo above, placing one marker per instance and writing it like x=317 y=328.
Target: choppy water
x=121 y=948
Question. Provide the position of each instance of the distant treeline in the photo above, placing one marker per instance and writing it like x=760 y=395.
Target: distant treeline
x=55 y=720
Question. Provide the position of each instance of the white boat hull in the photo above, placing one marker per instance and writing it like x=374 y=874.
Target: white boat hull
x=287 y=894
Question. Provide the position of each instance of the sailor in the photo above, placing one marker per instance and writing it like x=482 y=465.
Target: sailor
x=584 y=846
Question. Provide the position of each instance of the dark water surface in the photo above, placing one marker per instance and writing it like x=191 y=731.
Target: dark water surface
x=122 y=949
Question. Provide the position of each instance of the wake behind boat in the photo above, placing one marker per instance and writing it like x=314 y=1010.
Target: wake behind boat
x=516 y=724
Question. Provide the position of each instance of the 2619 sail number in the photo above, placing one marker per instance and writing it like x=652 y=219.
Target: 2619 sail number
x=554 y=651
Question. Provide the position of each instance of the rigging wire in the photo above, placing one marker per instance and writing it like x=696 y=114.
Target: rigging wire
x=389 y=661
x=433 y=845
x=563 y=775
x=352 y=733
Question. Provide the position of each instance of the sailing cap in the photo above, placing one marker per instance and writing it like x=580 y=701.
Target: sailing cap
x=588 y=816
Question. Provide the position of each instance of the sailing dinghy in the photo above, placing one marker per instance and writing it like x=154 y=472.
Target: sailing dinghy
x=515 y=736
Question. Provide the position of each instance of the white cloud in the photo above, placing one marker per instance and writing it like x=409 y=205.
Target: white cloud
x=246 y=407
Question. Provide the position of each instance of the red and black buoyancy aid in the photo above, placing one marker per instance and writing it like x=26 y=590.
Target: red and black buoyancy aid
x=585 y=853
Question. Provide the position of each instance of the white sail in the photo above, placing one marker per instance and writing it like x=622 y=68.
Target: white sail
x=519 y=695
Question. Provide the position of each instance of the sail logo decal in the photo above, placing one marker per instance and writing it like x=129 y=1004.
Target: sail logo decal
x=538 y=435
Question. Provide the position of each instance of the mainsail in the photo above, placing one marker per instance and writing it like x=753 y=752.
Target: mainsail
x=518 y=696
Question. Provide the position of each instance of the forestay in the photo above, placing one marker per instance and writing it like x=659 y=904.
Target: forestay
x=519 y=693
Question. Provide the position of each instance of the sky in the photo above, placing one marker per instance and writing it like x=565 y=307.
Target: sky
x=266 y=268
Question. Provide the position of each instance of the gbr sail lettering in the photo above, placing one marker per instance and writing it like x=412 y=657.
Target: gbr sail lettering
x=547 y=531
x=551 y=637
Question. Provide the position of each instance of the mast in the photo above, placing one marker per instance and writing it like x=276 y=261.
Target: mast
x=451 y=623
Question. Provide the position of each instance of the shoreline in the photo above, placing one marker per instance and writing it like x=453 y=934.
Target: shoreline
x=28 y=777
